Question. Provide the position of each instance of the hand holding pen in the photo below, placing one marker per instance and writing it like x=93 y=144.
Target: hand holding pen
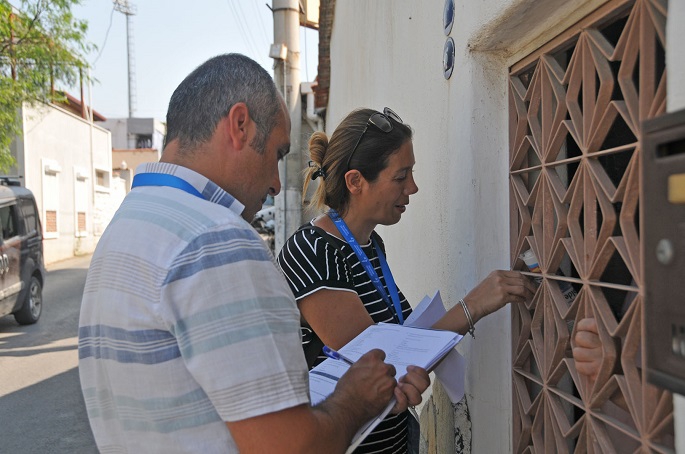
x=408 y=388
x=369 y=383
x=333 y=354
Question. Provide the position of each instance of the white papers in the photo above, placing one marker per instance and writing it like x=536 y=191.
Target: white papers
x=402 y=345
x=451 y=373
x=322 y=381
x=427 y=312
x=452 y=369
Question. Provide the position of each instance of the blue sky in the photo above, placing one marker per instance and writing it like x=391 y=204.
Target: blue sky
x=171 y=38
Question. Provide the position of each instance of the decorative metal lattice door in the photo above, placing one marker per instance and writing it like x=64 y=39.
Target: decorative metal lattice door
x=576 y=106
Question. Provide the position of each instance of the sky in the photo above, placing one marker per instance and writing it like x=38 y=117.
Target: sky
x=171 y=38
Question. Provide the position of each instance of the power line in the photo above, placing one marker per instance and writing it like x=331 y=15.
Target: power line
x=240 y=20
x=104 y=43
x=267 y=41
x=248 y=29
x=254 y=32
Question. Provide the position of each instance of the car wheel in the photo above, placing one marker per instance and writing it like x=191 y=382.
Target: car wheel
x=33 y=304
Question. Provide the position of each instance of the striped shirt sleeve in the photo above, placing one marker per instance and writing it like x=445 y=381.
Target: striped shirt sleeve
x=310 y=263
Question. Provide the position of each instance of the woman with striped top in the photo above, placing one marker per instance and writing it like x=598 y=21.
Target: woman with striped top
x=336 y=264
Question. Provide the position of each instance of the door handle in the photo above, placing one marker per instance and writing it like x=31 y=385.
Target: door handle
x=6 y=263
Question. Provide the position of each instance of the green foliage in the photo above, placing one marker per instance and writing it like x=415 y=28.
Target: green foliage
x=41 y=44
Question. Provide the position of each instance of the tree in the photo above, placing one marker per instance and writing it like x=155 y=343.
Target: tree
x=41 y=44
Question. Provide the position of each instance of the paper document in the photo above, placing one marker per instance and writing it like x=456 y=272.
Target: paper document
x=403 y=346
x=452 y=369
x=322 y=381
x=427 y=312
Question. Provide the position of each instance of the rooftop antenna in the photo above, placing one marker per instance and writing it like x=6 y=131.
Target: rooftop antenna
x=129 y=9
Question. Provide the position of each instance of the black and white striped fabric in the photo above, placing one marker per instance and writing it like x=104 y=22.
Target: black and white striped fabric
x=312 y=260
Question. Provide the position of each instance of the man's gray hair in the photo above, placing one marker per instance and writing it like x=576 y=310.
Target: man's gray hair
x=208 y=93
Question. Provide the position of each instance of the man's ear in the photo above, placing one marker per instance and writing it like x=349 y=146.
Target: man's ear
x=354 y=181
x=238 y=122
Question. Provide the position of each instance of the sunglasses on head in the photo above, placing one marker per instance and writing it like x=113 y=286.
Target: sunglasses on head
x=381 y=121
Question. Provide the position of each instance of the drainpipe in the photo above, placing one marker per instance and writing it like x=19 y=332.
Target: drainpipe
x=314 y=120
x=93 y=176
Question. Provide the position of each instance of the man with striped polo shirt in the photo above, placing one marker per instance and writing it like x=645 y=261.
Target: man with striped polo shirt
x=189 y=336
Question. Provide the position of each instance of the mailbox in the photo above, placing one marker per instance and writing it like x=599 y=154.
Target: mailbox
x=663 y=235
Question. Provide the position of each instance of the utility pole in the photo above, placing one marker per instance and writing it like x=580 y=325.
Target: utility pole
x=128 y=9
x=286 y=54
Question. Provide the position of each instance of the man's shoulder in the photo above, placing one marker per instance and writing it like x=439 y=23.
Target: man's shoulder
x=177 y=212
x=158 y=233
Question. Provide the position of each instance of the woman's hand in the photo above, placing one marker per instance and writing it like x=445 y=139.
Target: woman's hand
x=496 y=290
x=410 y=387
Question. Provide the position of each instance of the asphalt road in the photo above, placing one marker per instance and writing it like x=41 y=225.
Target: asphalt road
x=41 y=406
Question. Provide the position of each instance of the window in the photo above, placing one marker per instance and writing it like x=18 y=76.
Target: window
x=575 y=111
x=8 y=221
x=51 y=194
x=28 y=211
x=51 y=221
x=81 y=194
x=102 y=180
x=143 y=141
x=81 y=221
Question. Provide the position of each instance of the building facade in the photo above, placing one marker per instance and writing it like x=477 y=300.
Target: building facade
x=134 y=141
x=134 y=133
x=66 y=161
x=527 y=119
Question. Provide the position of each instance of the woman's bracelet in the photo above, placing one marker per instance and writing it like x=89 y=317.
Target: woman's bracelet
x=472 y=329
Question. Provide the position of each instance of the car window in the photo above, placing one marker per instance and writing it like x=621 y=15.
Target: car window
x=28 y=210
x=8 y=221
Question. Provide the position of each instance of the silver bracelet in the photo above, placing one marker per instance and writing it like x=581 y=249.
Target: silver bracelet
x=472 y=329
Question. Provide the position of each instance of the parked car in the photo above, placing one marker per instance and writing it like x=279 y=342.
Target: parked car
x=22 y=272
x=265 y=223
x=264 y=219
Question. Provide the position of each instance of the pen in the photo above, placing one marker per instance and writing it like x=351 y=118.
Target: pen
x=336 y=355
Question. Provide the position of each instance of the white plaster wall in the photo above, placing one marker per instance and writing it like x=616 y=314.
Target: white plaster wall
x=53 y=133
x=106 y=205
x=456 y=229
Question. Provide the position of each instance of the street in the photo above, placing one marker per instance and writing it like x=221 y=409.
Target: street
x=41 y=406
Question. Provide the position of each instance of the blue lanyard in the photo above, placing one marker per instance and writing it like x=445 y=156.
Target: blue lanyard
x=164 y=179
x=366 y=263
